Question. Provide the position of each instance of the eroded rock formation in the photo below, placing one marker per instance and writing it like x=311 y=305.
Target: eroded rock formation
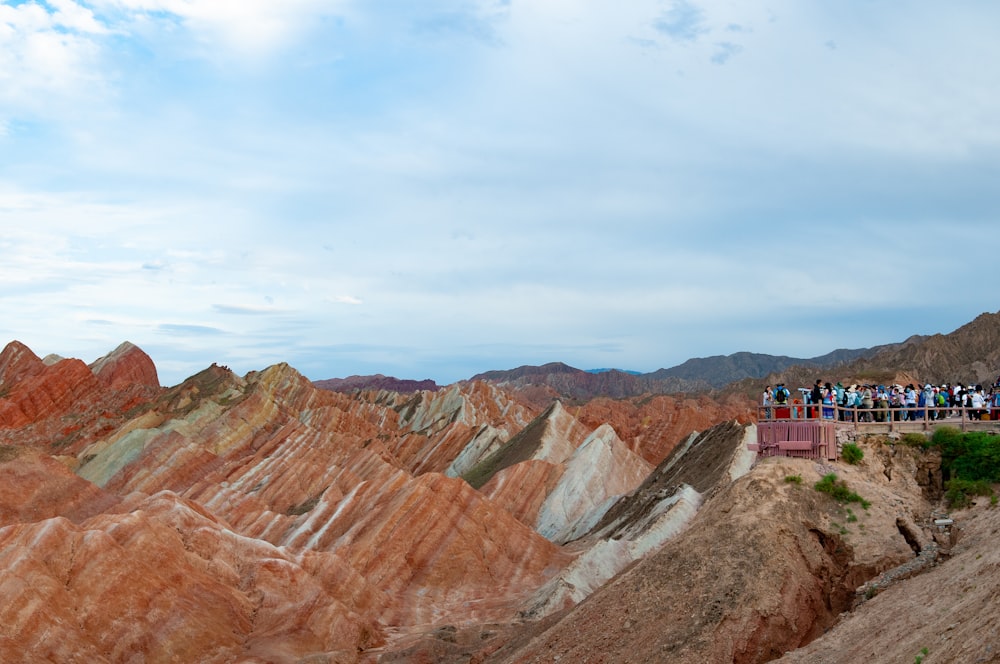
x=258 y=518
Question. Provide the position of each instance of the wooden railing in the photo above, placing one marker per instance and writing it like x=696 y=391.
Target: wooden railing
x=873 y=420
x=811 y=439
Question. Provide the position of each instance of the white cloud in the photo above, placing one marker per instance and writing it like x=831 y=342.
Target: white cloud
x=250 y=27
x=73 y=16
x=44 y=54
x=346 y=299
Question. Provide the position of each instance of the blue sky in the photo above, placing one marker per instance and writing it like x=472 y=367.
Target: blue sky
x=434 y=189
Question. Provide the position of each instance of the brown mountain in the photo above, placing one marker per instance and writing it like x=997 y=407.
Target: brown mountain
x=376 y=382
x=695 y=375
x=969 y=355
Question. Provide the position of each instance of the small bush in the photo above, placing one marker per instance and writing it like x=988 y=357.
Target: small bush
x=852 y=454
x=959 y=492
x=916 y=439
x=838 y=490
x=793 y=479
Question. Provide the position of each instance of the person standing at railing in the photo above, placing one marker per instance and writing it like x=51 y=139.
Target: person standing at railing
x=896 y=402
x=910 y=402
x=926 y=400
x=829 y=395
x=841 y=399
x=957 y=399
x=852 y=399
x=815 y=397
x=867 y=403
x=882 y=403
x=978 y=403
x=781 y=395
x=766 y=399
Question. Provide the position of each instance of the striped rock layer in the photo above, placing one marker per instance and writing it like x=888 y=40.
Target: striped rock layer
x=260 y=518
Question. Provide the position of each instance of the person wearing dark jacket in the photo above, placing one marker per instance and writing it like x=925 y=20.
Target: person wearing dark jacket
x=816 y=396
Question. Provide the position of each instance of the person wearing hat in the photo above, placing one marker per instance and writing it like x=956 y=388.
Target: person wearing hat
x=926 y=400
x=896 y=401
x=882 y=403
x=851 y=401
x=978 y=403
x=867 y=403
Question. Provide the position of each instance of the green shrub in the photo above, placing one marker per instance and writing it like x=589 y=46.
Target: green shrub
x=915 y=439
x=793 y=479
x=959 y=492
x=838 y=490
x=969 y=456
x=852 y=454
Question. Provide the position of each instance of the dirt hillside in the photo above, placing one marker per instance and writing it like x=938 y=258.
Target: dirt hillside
x=771 y=565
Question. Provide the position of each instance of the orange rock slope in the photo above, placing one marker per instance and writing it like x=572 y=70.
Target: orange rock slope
x=259 y=518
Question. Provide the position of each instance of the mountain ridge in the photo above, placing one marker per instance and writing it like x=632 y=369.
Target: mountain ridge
x=263 y=518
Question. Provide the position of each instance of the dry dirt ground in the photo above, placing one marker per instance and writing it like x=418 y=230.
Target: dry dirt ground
x=949 y=613
x=771 y=568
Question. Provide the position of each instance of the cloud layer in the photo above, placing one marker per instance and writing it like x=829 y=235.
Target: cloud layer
x=440 y=189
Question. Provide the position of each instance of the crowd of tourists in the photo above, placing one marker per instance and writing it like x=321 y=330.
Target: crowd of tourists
x=878 y=403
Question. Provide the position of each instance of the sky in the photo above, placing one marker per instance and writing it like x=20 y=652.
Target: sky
x=435 y=189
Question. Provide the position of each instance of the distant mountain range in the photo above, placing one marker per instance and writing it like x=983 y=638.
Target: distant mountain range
x=376 y=382
x=969 y=354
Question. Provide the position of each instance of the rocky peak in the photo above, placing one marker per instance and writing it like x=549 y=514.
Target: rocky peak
x=126 y=365
x=18 y=362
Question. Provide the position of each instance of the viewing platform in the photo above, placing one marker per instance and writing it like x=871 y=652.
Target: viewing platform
x=810 y=430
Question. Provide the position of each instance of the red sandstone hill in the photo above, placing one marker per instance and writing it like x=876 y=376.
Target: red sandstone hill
x=259 y=518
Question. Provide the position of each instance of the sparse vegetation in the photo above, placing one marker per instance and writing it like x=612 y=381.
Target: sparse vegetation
x=915 y=440
x=793 y=479
x=970 y=461
x=851 y=516
x=852 y=454
x=839 y=491
x=971 y=456
x=920 y=656
x=959 y=492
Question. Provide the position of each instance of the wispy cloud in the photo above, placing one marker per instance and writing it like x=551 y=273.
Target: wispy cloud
x=684 y=21
x=508 y=182
x=46 y=55
x=242 y=310
x=177 y=329
x=724 y=51
x=346 y=299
